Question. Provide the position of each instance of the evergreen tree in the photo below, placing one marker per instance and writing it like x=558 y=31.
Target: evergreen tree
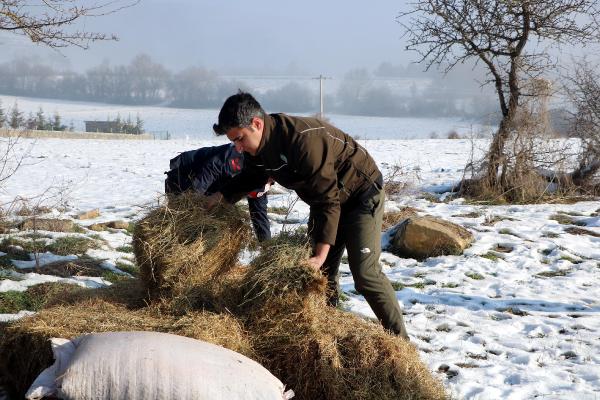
x=16 y=119
x=40 y=121
x=30 y=122
x=56 y=123
x=139 y=125
x=119 y=124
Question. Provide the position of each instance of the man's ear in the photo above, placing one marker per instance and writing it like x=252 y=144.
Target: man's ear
x=258 y=124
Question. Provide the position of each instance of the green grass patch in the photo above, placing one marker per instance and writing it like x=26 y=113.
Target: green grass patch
x=492 y=219
x=130 y=269
x=551 y=235
x=125 y=249
x=505 y=231
x=472 y=214
x=474 y=275
x=572 y=213
x=34 y=298
x=37 y=235
x=450 y=285
x=19 y=249
x=398 y=286
x=343 y=297
x=280 y=210
x=570 y=259
x=565 y=219
x=130 y=228
x=552 y=274
x=114 y=277
x=491 y=256
x=6 y=262
x=67 y=245
x=12 y=302
x=7 y=273
x=78 y=229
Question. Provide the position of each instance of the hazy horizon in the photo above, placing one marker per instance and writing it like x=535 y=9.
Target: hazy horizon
x=236 y=37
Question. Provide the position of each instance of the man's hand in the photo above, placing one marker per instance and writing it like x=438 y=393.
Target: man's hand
x=321 y=251
x=213 y=200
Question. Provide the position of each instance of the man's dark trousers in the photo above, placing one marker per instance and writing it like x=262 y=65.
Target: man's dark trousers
x=258 y=215
x=359 y=232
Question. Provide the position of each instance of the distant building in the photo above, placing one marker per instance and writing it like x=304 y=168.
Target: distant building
x=103 y=126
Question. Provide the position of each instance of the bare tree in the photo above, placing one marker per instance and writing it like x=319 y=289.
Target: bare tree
x=510 y=37
x=583 y=88
x=52 y=22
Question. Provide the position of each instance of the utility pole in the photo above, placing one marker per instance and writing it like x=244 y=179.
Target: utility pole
x=321 y=78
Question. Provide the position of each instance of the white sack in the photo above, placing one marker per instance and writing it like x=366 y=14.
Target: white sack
x=152 y=365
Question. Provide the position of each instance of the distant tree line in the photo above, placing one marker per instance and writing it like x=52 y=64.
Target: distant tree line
x=15 y=119
x=146 y=82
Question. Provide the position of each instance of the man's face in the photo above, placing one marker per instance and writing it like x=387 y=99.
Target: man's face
x=248 y=138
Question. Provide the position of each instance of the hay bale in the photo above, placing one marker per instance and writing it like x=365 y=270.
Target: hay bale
x=25 y=349
x=319 y=351
x=182 y=245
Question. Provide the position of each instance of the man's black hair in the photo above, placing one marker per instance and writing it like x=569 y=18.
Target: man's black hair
x=237 y=112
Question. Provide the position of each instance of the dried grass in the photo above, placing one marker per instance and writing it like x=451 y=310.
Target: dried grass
x=182 y=245
x=319 y=351
x=273 y=311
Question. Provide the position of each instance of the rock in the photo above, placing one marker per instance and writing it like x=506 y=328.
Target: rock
x=98 y=227
x=118 y=224
x=392 y=218
x=95 y=213
x=48 y=224
x=422 y=237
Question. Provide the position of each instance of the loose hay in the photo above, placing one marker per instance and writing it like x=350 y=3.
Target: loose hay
x=25 y=349
x=182 y=245
x=187 y=258
x=318 y=351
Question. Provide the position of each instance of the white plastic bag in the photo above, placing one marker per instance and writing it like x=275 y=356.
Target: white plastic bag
x=152 y=365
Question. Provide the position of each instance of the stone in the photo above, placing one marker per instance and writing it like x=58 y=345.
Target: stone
x=118 y=224
x=97 y=227
x=48 y=224
x=427 y=236
x=95 y=213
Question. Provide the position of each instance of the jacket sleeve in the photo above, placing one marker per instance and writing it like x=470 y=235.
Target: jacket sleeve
x=243 y=183
x=205 y=176
x=313 y=160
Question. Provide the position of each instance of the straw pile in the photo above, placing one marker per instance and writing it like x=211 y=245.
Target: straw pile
x=273 y=311
x=318 y=351
x=182 y=246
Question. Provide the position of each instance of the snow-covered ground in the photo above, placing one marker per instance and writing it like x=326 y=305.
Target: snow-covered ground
x=197 y=124
x=515 y=317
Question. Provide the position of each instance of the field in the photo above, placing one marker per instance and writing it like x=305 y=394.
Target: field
x=514 y=317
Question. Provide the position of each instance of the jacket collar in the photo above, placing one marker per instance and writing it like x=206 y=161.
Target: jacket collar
x=266 y=136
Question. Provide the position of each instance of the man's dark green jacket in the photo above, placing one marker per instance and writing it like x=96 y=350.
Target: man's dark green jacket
x=326 y=167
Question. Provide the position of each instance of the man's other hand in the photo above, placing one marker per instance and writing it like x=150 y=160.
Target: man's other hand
x=213 y=200
x=321 y=251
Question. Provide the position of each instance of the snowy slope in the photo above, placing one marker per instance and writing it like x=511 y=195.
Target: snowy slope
x=515 y=317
